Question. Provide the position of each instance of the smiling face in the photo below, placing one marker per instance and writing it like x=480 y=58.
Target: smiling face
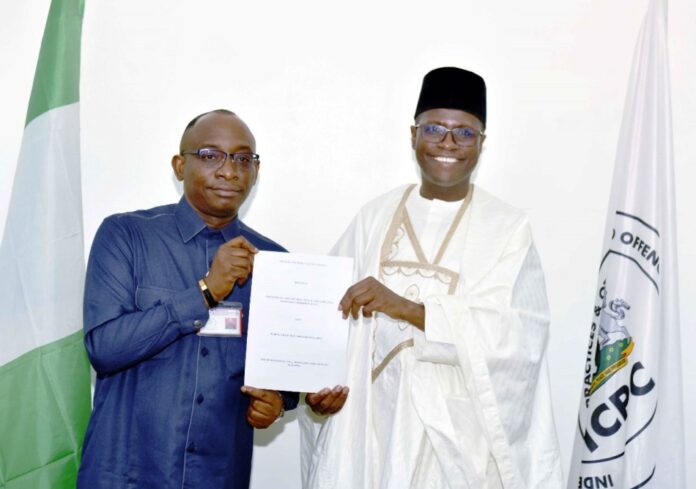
x=216 y=192
x=446 y=167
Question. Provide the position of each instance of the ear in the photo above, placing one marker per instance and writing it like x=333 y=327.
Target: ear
x=178 y=167
x=413 y=137
x=257 y=165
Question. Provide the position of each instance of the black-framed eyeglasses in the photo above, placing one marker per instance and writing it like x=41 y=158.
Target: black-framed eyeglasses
x=216 y=157
x=435 y=133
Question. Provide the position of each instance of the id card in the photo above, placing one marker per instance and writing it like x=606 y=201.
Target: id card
x=226 y=319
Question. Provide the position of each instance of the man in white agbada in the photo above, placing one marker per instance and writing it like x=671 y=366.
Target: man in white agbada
x=447 y=375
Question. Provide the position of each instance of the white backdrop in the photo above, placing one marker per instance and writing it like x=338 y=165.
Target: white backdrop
x=329 y=90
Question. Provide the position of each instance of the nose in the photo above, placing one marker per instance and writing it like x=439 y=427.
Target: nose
x=448 y=140
x=228 y=169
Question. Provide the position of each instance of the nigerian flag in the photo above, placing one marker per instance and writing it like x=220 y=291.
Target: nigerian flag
x=44 y=373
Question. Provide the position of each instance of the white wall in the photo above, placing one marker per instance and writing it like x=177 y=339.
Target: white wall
x=329 y=90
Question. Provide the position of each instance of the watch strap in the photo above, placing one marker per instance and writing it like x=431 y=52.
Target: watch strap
x=207 y=295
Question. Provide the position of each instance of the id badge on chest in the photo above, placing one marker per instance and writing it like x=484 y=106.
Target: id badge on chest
x=225 y=319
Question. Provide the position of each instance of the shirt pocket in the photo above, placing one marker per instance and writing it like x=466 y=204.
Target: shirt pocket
x=147 y=296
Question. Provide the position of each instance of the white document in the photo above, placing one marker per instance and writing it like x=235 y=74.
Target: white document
x=297 y=338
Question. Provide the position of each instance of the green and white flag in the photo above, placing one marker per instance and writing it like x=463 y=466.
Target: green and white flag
x=630 y=431
x=44 y=372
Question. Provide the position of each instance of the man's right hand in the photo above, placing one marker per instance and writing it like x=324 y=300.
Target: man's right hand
x=327 y=401
x=231 y=265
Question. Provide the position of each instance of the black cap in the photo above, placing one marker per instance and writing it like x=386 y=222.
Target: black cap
x=453 y=88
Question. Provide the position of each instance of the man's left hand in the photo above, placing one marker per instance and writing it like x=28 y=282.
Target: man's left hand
x=264 y=406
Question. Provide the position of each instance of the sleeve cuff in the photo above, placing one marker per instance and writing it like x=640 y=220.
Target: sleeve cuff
x=290 y=399
x=189 y=309
x=437 y=328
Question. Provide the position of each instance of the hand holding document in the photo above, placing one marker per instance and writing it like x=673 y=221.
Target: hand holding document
x=297 y=340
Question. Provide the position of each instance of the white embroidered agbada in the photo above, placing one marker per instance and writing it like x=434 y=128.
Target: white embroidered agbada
x=465 y=404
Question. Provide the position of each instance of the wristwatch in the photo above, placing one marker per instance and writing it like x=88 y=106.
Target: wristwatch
x=207 y=295
x=282 y=406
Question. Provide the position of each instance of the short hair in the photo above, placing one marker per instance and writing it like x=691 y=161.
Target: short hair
x=198 y=117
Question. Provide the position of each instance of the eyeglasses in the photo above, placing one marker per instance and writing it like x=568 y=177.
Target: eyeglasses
x=215 y=157
x=435 y=133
